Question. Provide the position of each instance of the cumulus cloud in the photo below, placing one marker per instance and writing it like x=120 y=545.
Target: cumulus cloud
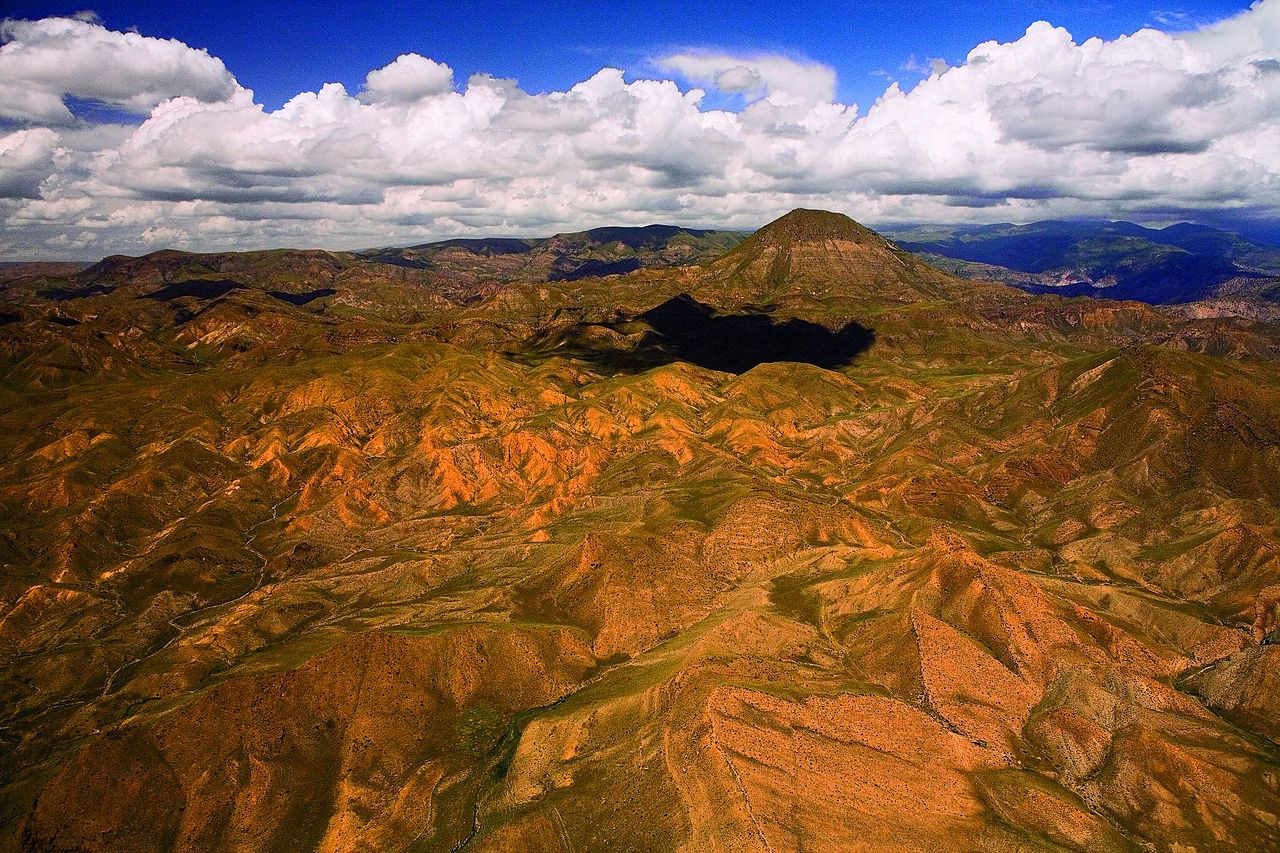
x=752 y=76
x=42 y=62
x=1149 y=124
x=1145 y=93
x=26 y=159
x=409 y=78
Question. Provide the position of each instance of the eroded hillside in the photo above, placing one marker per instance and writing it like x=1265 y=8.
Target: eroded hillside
x=520 y=574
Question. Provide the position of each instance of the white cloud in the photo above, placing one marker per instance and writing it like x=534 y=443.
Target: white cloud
x=26 y=159
x=1257 y=32
x=409 y=78
x=1151 y=124
x=1145 y=93
x=42 y=62
x=752 y=76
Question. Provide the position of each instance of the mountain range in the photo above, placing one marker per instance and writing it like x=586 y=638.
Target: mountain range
x=795 y=541
x=564 y=257
x=1177 y=264
x=1195 y=270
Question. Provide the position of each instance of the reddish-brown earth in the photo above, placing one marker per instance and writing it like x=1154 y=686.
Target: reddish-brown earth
x=388 y=571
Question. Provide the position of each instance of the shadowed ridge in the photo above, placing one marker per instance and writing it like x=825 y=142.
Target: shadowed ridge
x=651 y=236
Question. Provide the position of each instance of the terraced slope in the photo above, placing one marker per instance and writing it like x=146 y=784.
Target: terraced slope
x=521 y=575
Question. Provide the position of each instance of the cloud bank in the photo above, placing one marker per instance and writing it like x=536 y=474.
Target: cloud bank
x=1151 y=124
x=44 y=61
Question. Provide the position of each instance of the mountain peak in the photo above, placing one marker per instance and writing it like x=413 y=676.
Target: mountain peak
x=802 y=225
x=821 y=255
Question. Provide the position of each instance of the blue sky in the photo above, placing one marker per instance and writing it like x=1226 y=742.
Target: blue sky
x=136 y=126
x=281 y=48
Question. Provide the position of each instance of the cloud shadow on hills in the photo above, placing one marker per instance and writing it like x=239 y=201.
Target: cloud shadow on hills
x=592 y=268
x=300 y=299
x=198 y=288
x=62 y=294
x=684 y=329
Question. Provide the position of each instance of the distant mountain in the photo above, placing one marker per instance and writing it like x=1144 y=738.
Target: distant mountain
x=36 y=270
x=1117 y=260
x=564 y=257
x=400 y=283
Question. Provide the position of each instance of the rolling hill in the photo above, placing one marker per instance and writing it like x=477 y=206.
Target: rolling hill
x=564 y=257
x=810 y=545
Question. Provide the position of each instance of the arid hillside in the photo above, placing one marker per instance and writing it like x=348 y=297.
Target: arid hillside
x=811 y=546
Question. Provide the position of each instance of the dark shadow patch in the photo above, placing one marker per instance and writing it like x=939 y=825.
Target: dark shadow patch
x=684 y=329
x=412 y=257
x=62 y=294
x=7 y=317
x=647 y=237
x=198 y=288
x=62 y=321
x=487 y=246
x=593 y=268
x=302 y=298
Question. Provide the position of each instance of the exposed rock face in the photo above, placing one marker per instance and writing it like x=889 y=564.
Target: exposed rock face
x=314 y=576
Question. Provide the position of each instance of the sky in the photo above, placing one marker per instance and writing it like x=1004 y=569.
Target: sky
x=131 y=126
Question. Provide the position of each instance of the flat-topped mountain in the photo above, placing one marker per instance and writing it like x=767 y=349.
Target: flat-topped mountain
x=810 y=545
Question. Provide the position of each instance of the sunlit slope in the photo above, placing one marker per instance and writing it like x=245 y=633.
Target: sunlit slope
x=1005 y=581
